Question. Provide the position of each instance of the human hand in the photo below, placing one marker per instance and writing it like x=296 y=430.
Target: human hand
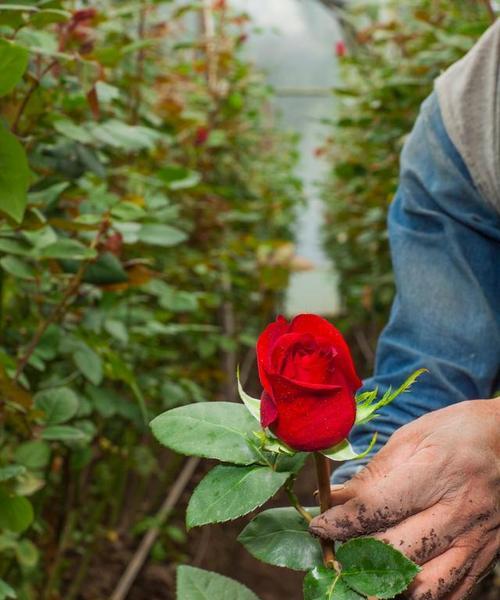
x=433 y=492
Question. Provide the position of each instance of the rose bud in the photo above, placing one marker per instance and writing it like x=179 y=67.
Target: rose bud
x=309 y=382
x=201 y=137
x=340 y=49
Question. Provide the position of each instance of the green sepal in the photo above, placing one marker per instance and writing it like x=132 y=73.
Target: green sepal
x=252 y=404
x=367 y=405
x=270 y=443
x=344 y=450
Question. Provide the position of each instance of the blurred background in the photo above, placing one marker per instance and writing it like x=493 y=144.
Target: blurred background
x=172 y=175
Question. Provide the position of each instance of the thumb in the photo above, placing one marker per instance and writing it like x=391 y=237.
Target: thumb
x=387 y=491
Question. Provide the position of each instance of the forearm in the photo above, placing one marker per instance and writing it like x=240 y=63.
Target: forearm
x=446 y=317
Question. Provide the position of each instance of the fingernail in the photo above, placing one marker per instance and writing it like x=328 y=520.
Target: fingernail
x=317 y=530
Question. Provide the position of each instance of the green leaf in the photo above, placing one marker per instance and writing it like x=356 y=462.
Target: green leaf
x=6 y=591
x=106 y=269
x=326 y=584
x=14 y=176
x=67 y=248
x=28 y=484
x=229 y=492
x=253 y=404
x=73 y=131
x=34 y=454
x=367 y=405
x=16 y=512
x=280 y=537
x=11 y=472
x=374 y=568
x=116 y=329
x=219 y=430
x=13 y=63
x=197 y=584
x=58 y=405
x=344 y=450
x=293 y=464
x=64 y=433
x=13 y=246
x=27 y=554
x=17 y=267
x=179 y=178
x=89 y=364
x=156 y=234
x=118 y=134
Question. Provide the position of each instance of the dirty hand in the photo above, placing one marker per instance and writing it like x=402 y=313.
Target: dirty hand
x=433 y=492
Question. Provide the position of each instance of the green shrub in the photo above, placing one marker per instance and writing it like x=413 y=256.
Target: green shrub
x=135 y=272
x=386 y=74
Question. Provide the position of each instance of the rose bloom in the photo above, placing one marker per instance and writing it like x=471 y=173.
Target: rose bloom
x=309 y=382
x=340 y=49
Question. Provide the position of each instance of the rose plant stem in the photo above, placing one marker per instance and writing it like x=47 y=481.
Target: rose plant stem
x=295 y=502
x=325 y=502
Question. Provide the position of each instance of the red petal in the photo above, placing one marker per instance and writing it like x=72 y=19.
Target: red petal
x=265 y=345
x=268 y=410
x=311 y=418
x=317 y=326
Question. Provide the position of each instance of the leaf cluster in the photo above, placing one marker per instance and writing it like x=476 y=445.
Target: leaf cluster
x=143 y=219
x=393 y=58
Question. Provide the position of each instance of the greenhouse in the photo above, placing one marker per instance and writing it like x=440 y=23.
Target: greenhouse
x=249 y=300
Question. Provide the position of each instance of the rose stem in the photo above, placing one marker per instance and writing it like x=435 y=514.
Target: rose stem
x=295 y=501
x=325 y=502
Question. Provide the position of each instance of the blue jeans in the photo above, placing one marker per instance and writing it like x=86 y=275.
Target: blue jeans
x=445 y=247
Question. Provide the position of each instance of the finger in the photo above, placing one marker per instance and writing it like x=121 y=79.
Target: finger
x=378 y=503
x=441 y=575
x=482 y=565
x=424 y=536
x=380 y=499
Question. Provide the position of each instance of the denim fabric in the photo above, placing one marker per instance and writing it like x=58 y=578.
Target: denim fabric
x=445 y=247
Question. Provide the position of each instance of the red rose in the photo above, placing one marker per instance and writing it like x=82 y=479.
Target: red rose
x=340 y=49
x=201 y=137
x=309 y=382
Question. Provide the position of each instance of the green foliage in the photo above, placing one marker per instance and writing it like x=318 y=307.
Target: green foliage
x=229 y=492
x=219 y=430
x=325 y=584
x=387 y=73
x=368 y=568
x=280 y=537
x=141 y=211
x=6 y=591
x=197 y=584
x=14 y=176
x=375 y=569
x=13 y=62
x=16 y=512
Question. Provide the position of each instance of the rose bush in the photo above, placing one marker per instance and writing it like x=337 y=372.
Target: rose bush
x=309 y=382
x=309 y=403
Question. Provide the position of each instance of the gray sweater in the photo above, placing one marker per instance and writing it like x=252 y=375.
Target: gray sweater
x=469 y=97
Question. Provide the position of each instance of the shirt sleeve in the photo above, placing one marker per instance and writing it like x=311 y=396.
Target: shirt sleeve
x=445 y=248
